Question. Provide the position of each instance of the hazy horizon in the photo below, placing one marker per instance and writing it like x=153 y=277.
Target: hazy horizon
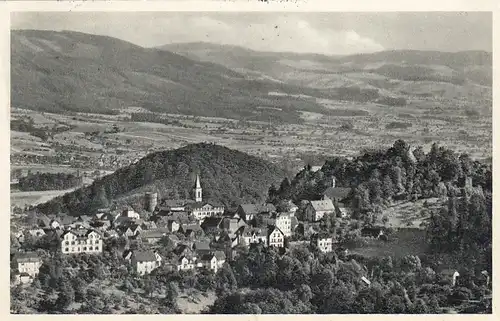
x=331 y=33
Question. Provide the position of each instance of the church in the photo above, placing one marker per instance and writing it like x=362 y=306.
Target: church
x=196 y=206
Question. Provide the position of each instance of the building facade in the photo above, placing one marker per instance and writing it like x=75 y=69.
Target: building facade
x=145 y=261
x=284 y=223
x=275 y=237
x=203 y=210
x=81 y=241
x=315 y=210
x=27 y=263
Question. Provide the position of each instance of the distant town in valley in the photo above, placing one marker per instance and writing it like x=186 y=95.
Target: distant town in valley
x=202 y=178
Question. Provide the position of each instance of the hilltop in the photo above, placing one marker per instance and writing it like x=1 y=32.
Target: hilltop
x=227 y=175
x=76 y=72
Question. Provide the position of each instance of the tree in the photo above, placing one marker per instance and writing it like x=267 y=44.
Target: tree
x=387 y=187
x=66 y=296
x=225 y=281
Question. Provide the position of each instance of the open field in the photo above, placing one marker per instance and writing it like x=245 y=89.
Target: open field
x=411 y=214
x=22 y=199
x=403 y=242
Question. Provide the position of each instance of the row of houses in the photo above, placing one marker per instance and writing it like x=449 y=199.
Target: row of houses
x=193 y=220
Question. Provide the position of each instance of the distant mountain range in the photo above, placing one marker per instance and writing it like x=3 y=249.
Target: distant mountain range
x=71 y=71
x=76 y=72
x=398 y=72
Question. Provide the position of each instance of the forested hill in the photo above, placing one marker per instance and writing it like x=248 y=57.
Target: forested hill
x=226 y=175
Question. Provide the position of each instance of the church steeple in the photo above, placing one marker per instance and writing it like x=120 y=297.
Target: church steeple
x=197 y=190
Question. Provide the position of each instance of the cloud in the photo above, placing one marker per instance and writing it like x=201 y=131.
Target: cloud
x=282 y=34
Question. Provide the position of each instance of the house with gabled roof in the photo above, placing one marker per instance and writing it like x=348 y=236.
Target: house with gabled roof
x=148 y=225
x=323 y=241
x=183 y=250
x=28 y=263
x=254 y=235
x=153 y=236
x=36 y=232
x=211 y=224
x=275 y=237
x=212 y=261
x=185 y=263
x=315 y=210
x=191 y=230
x=145 y=261
x=81 y=240
x=201 y=247
x=232 y=225
x=129 y=230
x=249 y=211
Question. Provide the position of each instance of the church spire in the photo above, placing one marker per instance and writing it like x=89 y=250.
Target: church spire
x=198 y=190
x=198 y=185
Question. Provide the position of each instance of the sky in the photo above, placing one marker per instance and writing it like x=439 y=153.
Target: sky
x=332 y=33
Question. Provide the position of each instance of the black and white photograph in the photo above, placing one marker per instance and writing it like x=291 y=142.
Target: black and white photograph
x=251 y=162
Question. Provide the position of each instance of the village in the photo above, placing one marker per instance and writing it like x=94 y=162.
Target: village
x=204 y=234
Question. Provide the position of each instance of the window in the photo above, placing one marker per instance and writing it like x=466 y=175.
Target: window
x=72 y=242
x=97 y=248
x=85 y=248
x=90 y=248
x=67 y=243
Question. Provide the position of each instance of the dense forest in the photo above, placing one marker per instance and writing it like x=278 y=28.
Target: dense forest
x=228 y=176
x=49 y=181
x=379 y=176
x=261 y=280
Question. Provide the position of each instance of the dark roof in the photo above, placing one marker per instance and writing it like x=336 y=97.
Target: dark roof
x=81 y=232
x=211 y=222
x=257 y=208
x=26 y=257
x=337 y=192
x=272 y=228
x=191 y=227
x=144 y=256
x=255 y=230
x=181 y=248
x=156 y=233
x=220 y=255
x=176 y=203
x=207 y=257
x=126 y=253
x=201 y=204
x=84 y=218
x=321 y=235
x=201 y=246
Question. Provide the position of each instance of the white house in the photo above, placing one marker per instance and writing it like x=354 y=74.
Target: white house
x=212 y=261
x=315 y=210
x=324 y=242
x=284 y=223
x=254 y=235
x=27 y=265
x=145 y=261
x=186 y=263
x=275 y=237
x=202 y=210
x=81 y=241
